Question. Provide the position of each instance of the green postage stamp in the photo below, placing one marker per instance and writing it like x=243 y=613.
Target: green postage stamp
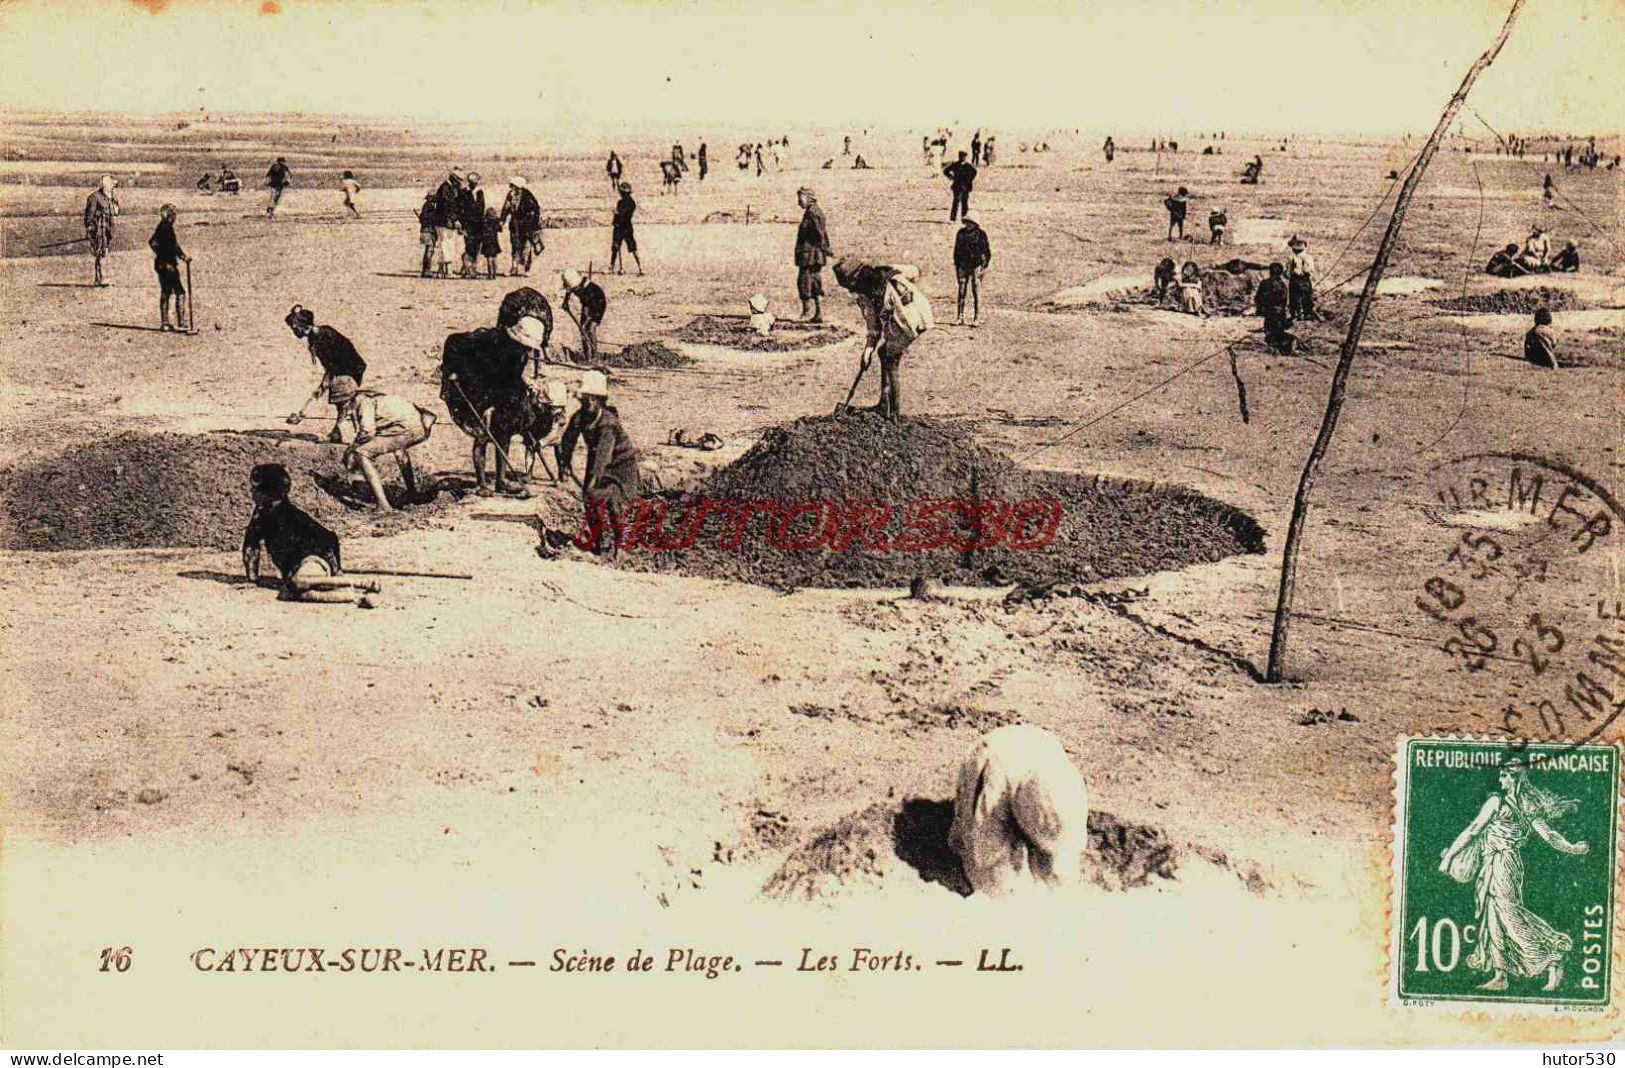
x=1504 y=870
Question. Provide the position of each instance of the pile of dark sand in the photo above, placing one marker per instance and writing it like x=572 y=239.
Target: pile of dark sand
x=137 y=490
x=1108 y=528
x=644 y=354
x=735 y=332
x=860 y=851
x=1514 y=301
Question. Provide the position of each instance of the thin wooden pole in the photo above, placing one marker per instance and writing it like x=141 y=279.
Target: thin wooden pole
x=1351 y=344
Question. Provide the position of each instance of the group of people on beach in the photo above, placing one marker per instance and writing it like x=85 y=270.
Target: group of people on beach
x=457 y=208
x=1535 y=257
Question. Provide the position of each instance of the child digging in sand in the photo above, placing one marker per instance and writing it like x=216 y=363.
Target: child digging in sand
x=305 y=552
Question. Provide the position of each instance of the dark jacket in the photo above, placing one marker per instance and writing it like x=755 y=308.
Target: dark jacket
x=812 y=238
x=612 y=459
x=961 y=174
x=166 y=249
x=289 y=534
x=491 y=236
x=448 y=203
x=278 y=176
x=471 y=210
x=1273 y=299
x=593 y=302
x=971 y=250
x=625 y=208
x=480 y=371
x=522 y=213
x=334 y=352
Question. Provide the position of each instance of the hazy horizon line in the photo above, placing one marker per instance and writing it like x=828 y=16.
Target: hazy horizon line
x=498 y=128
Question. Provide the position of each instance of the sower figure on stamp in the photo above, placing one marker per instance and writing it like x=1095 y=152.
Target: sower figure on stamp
x=101 y=207
x=1021 y=813
x=1512 y=940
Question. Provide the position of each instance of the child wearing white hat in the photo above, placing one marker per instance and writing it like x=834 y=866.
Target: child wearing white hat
x=761 y=320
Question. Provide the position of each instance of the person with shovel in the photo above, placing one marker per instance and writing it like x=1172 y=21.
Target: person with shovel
x=331 y=350
x=482 y=381
x=895 y=313
x=101 y=207
x=167 y=256
x=612 y=478
x=591 y=305
x=374 y=425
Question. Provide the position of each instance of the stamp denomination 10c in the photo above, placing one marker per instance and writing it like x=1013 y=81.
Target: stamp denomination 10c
x=1504 y=869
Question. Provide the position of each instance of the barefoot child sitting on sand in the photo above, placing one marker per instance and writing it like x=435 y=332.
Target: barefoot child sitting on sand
x=305 y=552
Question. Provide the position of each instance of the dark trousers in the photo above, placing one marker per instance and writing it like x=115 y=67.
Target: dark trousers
x=1301 y=298
x=961 y=205
x=1278 y=335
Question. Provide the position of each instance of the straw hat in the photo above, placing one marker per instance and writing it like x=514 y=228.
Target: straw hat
x=519 y=181
x=555 y=393
x=594 y=384
x=758 y=304
x=529 y=331
x=571 y=278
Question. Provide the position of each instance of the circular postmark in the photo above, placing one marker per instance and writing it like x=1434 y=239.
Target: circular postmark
x=1521 y=591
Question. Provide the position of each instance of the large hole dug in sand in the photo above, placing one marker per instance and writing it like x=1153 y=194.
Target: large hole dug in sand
x=137 y=490
x=1106 y=528
x=734 y=332
x=863 y=850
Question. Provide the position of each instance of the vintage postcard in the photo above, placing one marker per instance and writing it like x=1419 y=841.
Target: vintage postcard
x=1081 y=525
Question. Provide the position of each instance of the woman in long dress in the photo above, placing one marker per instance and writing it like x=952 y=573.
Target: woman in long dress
x=1511 y=939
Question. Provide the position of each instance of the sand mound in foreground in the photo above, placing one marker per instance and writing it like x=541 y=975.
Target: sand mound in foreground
x=909 y=841
x=137 y=490
x=1098 y=528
